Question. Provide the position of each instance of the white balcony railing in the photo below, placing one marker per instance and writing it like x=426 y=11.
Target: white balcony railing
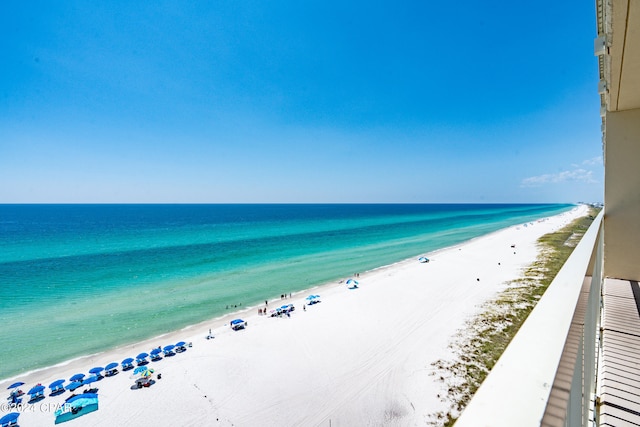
x=546 y=376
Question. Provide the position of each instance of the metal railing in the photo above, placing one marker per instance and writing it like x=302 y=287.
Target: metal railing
x=546 y=376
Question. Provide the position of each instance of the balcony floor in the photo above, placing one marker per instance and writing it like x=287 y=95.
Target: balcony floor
x=619 y=382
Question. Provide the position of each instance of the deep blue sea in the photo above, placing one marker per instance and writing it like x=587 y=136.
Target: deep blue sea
x=78 y=279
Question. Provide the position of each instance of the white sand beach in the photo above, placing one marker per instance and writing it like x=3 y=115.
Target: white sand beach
x=361 y=357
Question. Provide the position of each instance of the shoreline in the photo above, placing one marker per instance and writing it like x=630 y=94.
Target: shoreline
x=331 y=324
x=233 y=314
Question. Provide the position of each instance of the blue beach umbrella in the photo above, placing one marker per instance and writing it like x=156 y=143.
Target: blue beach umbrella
x=110 y=366
x=15 y=385
x=156 y=351
x=56 y=387
x=127 y=363
x=76 y=377
x=90 y=380
x=56 y=384
x=352 y=284
x=142 y=356
x=180 y=344
x=140 y=369
x=73 y=385
x=37 y=389
x=96 y=370
x=111 y=369
x=10 y=418
x=169 y=347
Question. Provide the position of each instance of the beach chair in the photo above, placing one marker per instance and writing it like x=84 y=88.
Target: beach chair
x=36 y=397
x=15 y=401
x=127 y=364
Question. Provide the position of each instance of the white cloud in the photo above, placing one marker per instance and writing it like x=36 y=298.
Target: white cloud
x=593 y=162
x=574 y=175
x=578 y=172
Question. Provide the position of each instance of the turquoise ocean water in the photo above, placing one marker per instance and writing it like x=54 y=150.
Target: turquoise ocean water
x=78 y=279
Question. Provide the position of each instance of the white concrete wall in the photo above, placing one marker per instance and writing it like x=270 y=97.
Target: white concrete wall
x=622 y=195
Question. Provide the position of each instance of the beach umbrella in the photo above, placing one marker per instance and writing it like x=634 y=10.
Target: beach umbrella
x=56 y=384
x=15 y=385
x=140 y=369
x=142 y=373
x=76 y=377
x=142 y=356
x=127 y=364
x=90 y=380
x=10 y=418
x=110 y=366
x=73 y=385
x=147 y=373
x=37 y=389
x=180 y=344
x=156 y=351
x=423 y=259
x=96 y=370
x=311 y=297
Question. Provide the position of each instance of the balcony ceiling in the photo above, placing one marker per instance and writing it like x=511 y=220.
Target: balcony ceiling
x=624 y=35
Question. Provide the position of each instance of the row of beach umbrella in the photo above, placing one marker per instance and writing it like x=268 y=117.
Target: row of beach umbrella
x=79 y=380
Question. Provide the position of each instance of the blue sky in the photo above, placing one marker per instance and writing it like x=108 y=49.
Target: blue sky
x=226 y=101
